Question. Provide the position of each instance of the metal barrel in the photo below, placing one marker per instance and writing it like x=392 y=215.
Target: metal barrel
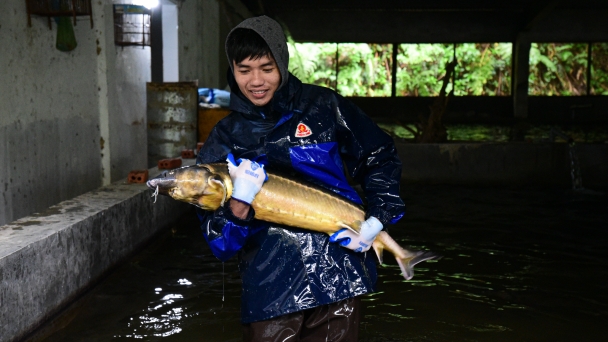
x=172 y=119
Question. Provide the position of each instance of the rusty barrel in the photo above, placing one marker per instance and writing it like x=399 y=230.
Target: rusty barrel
x=207 y=119
x=172 y=119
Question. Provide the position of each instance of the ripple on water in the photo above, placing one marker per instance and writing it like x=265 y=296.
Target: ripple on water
x=519 y=265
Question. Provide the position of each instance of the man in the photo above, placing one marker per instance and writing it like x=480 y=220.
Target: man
x=297 y=285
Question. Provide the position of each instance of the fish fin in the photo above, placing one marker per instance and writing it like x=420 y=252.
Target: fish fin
x=407 y=264
x=214 y=196
x=379 y=249
x=355 y=229
x=224 y=192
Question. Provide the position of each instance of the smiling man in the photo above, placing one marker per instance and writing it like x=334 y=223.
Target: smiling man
x=298 y=285
x=257 y=79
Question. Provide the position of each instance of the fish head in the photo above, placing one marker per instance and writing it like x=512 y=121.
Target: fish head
x=207 y=186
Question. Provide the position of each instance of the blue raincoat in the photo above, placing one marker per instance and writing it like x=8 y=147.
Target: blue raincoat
x=314 y=133
x=317 y=134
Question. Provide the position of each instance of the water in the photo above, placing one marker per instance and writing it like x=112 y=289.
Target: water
x=575 y=169
x=519 y=265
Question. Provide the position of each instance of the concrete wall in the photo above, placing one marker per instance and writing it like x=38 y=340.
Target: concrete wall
x=203 y=27
x=503 y=164
x=122 y=76
x=48 y=259
x=72 y=121
x=489 y=109
x=49 y=121
x=69 y=121
x=199 y=42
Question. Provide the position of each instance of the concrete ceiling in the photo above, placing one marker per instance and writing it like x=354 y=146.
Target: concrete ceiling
x=388 y=21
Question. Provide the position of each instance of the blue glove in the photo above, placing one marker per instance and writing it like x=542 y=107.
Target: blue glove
x=247 y=178
x=358 y=242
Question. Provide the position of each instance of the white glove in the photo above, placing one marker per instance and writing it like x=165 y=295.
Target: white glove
x=247 y=178
x=358 y=242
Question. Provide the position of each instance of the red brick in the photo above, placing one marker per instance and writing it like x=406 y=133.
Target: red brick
x=188 y=154
x=171 y=163
x=138 y=176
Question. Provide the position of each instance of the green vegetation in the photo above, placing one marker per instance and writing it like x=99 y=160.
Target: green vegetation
x=484 y=69
x=421 y=68
x=558 y=69
x=363 y=69
x=314 y=63
x=366 y=69
x=599 y=69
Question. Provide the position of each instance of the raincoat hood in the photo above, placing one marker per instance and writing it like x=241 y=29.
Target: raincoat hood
x=273 y=35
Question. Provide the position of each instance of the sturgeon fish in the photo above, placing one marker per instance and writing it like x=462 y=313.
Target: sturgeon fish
x=284 y=201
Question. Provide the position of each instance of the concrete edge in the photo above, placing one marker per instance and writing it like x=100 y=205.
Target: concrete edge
x=542 y=164
x=48 y=259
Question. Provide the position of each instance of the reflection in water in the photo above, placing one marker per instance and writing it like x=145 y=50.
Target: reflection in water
x=519 y=265
x=575 y=172
x=168 y=322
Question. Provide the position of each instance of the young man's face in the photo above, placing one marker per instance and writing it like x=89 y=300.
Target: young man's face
x=258 y=79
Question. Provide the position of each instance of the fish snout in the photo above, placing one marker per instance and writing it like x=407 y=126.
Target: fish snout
x=163 y=182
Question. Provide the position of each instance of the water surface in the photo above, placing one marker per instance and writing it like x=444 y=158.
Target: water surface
x=519 y=265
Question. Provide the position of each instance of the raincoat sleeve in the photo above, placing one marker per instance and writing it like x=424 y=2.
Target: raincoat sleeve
x=371 y=159
x=225 y=233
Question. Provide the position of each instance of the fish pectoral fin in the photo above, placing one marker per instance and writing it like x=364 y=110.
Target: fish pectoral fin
x=222 y=186
x=214 y=195
x=379 y=249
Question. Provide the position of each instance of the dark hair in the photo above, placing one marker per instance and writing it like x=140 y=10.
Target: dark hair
x=245 y=43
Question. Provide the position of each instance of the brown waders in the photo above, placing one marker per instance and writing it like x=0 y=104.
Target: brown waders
x=333 y=322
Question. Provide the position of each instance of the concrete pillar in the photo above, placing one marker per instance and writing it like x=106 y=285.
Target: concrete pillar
x=199 y=42
x=211 y=73
x=521 y=69
x=156 y=43
x=170 y=43
x=102 y=40
x=122 y=73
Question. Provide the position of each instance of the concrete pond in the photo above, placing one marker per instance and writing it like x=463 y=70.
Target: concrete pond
x=51 y=258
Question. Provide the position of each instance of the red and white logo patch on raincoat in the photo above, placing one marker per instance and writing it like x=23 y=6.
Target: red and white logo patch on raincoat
x=303 y=131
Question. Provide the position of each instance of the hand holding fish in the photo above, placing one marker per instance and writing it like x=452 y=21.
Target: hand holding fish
x=247 y=178
x=284 y=201
x=358 y=242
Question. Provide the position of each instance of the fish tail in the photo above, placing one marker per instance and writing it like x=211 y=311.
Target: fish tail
x=407 y=264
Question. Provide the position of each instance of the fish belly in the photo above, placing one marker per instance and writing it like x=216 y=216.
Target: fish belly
x=285 y=201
